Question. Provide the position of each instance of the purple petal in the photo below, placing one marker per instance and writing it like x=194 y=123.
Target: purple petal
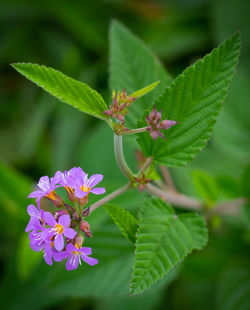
x=89 y=260
x=59 y=242
x=64 y=220
x=98 y=190
x=72 y=262
x=95 y=179
x=56 y=179
x=80 y=194
x=44 y=183
x=36 y=194
x=86 y=251
x=33 y=211
x=69 y=233
x=59 y=256
x=71 y=248
x=49 y=219
x=34 y=224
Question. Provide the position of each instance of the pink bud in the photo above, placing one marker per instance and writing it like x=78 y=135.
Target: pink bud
x=165 y=124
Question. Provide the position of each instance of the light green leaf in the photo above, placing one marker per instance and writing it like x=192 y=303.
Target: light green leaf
x=194 y=99
x=163 y=240
x=124 y=220
x=66 y=89
x=206 y=186
x=132 y=66
x=145 y=90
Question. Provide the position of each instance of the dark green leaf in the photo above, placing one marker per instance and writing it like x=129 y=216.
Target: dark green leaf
x=194 y=99
x=163 y=240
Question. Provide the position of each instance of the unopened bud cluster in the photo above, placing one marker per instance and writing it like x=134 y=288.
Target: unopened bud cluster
x=155 y=124
x=120 y=104
x=56 y=234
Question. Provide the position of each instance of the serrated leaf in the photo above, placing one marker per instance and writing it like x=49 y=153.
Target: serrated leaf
x=194 y=99
x=145 y=90
x=73 y=92
x=206 y=186
x=163 y=240
x=124 y=220
x=132 y=66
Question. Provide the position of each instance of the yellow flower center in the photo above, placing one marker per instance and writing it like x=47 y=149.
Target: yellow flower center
x=85 y=188
x=77 y=246
x=51 y=195
x=69 y=189
x=59 y=229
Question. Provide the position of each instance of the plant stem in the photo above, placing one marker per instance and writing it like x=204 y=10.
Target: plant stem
x=176 y=199
x=120 y=157
x=223 y=208
x=133 y=131
x=109 y=197
x=167 y=177
x=145 y=165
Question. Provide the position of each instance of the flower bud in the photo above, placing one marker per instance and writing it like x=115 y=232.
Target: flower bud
x=59 y=213
x=85 y=212
x=79 y=240
x=85 y=227
x=83 y=201
x=76 y=216
x=55 y=199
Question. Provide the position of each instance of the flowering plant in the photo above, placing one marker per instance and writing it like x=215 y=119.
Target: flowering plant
x=172 y=122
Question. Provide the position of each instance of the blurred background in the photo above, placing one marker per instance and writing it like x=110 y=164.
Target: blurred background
x=39 y=135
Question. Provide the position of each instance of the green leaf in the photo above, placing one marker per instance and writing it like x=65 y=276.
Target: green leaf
x=66 y=89
x=194 y=99
x=132 y=66
x=163 y=240
x=145 y=90
x=124 y=220
x=206 y=186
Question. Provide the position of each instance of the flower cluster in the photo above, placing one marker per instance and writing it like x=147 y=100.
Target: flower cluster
x=120 y=104
x=55 y=234
x=155 y=124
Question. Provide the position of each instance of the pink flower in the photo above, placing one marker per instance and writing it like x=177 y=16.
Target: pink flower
x=59 y=229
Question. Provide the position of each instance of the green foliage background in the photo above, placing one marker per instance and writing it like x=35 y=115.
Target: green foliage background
x=39 y=136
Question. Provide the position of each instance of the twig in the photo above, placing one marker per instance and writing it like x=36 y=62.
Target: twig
x=230 y=207
x=133 y=131
x=145 y=166
x=109 y=197
x=175 y=198
x=167 y=177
